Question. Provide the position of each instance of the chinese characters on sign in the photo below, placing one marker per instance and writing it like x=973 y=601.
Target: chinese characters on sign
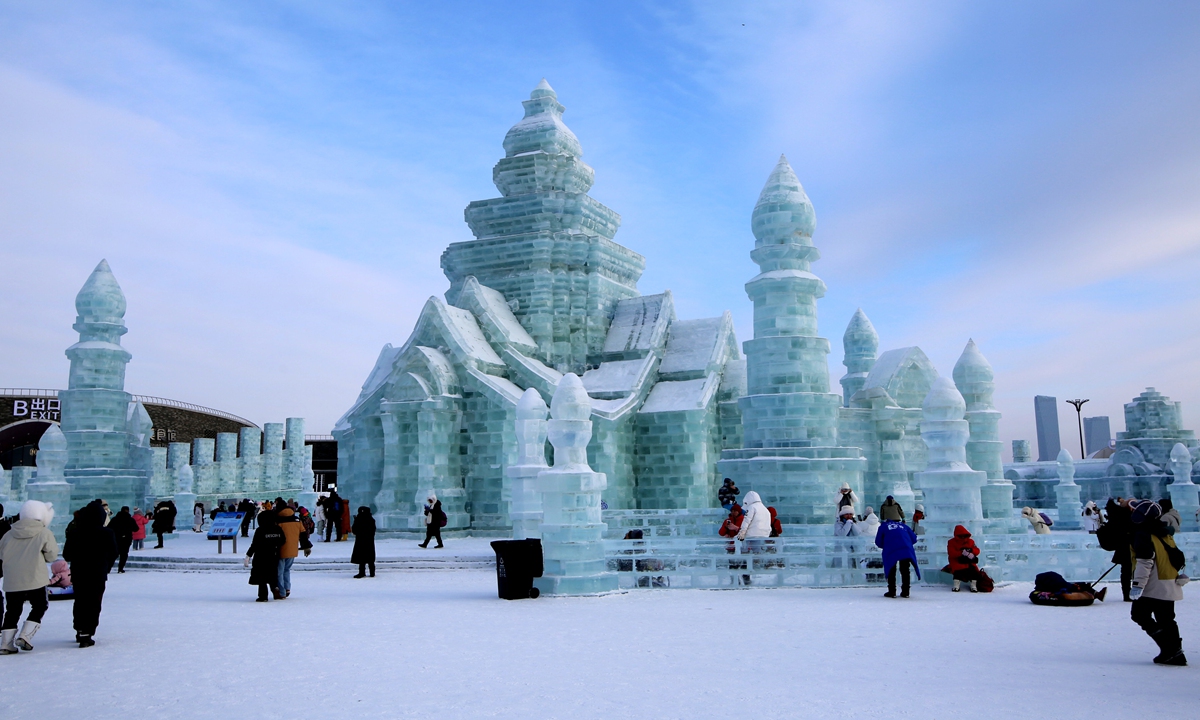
x=163 y=435
x=36 y=409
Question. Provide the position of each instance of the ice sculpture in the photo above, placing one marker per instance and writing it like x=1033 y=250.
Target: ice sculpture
x=951 y=487
x=526 y=503
x=1021 y=451
x=1067 y=491
x=50 y=485
x=973 y=377
x=1185 y=494
x=100 y=429
x=571 y=529
x=861 y=345
x=184 y=498
x=791 y=456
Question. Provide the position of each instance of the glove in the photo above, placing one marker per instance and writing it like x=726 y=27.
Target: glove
x=1135 y=592
x=307 y=552
x=246 y=562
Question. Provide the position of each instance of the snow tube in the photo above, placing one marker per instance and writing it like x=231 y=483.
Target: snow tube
x=57 y=593
x=1061 y=599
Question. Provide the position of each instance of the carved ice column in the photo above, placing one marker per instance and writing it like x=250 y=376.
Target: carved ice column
x=272 y=458
x=227 y=464
x=185 y=499
x=49 y=486
x=205 y=473
x=951 y=487
x=889 y=422
x=1067 y=490
x=249 y=461
x=1021 y=451
x=525 y=510
x=293 y=475
x=572 y=532
x=160 y=477
x=973 y=376
x=307 y=497
x=1184 y=492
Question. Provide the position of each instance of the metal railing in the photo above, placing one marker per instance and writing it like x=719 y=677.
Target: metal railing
x=318 y=438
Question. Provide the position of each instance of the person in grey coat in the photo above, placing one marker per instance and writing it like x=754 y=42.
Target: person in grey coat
x=24 y=552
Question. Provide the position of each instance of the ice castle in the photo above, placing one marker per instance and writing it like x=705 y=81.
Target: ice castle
x=544 y=290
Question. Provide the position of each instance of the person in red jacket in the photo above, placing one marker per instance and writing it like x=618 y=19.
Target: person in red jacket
x=964 y=559
x=139 y=536
x=733 y=523
x=776 y=526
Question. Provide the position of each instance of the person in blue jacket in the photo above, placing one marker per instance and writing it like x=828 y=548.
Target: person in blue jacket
x=897 y=540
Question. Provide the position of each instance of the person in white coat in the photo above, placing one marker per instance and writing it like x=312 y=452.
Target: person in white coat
x=870 y=523
x=845 y=525
x=757 y=523
x=1040 y=526
x=1091 y=517
x=24 y=552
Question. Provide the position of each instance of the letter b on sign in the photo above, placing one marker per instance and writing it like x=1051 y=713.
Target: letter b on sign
x=20 y=408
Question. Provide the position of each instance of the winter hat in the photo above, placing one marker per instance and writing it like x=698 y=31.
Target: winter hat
x=920 y=508
x=38 y=510
x=889 y=498
x=432 y=497
x=1144 y=510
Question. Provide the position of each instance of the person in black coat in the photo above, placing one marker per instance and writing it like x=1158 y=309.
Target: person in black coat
x=333 y=514
x=123 y=528
x=264 y=550
x=1119 y=518
x=363 y=554
x=164 y=520
x=91 y=548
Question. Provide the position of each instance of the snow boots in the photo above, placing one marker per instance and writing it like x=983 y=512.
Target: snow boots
x=28 y=630
x=1171 y=646
x=6 y=642
x=974 y=586
x=84 y=640
x=957 y=586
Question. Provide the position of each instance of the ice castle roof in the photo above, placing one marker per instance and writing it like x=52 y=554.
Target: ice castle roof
x=542 y=128
x=100 y=299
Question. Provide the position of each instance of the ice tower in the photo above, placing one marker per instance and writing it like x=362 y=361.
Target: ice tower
x=546 y=245
x=861 y=346
x=791 y=455
x=102 y=424
x=973 y=377
x=951 y=487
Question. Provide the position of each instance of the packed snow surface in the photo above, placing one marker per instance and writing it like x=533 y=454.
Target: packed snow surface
x=441 y=645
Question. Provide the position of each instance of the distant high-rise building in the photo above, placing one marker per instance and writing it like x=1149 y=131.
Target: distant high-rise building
x=1096 y=433
x=1045 y=411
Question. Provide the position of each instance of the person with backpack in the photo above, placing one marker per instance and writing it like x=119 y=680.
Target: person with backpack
x=295 y=539
x=1040 y=523
x=363 y=554
x=1117 y=535
x=897 y=541
x=91 y=548
x=435 y=518
x=24 y=551
x=964 y=559
x=1157 y=581
x=263 y=556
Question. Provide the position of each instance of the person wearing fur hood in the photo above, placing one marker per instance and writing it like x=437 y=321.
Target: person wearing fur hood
x=435 y=518
x=24 y=552
x=757 y=522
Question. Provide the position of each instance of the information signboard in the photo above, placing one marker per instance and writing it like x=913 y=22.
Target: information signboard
x=225 y=526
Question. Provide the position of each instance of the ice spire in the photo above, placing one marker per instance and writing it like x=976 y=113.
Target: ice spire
x=861 y=346
x=973 y=375
x=100 y=302
x=783 y=214
x=542 y=128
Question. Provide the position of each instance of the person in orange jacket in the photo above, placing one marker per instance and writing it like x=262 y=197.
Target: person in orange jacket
x=964 y=559
x=295 y=539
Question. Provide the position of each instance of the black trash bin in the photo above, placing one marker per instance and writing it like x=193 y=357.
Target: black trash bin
x=518 y=562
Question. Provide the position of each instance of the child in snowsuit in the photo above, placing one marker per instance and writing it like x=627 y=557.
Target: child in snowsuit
x=1157 y=583
x=728 y=494
x=964 y=559
x=897 y=540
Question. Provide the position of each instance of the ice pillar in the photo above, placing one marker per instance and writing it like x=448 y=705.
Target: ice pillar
x=185 y=499
x=525 y=509
x=250 y=459
x=50 y=485
x=860 y=343
x=973 y=377
x=272 y=458
x=203 y=452
x=1067 y=491
x=571 y=529
x=951 y=487
x=1021 y=451
x=1185 y=494
x=227 y=464
x=294 y=455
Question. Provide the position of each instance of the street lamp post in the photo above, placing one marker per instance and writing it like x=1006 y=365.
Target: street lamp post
x=1079 y=416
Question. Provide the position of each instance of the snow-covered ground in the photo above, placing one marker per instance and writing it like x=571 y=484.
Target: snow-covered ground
x=440 y=644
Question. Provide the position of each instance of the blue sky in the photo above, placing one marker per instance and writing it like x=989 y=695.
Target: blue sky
x=273 y=184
